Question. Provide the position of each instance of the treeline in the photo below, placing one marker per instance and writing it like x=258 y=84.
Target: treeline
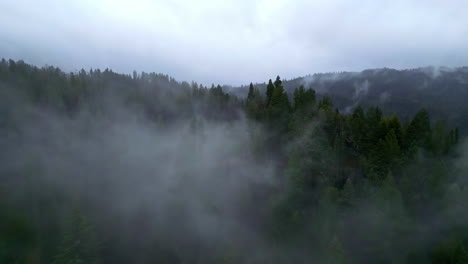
x=160 y=96
x=441 y=91
x=363 y=187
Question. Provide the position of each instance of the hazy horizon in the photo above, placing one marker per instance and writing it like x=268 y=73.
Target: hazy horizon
x=434 y=68
x=234 y=42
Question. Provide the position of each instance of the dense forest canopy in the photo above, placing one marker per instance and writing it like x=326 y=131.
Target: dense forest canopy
x=102 y=167
x=439 y=90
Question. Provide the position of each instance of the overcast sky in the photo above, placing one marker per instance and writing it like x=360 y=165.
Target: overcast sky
x=235 y=41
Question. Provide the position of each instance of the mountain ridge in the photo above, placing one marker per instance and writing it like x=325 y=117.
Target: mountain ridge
x=440 y=90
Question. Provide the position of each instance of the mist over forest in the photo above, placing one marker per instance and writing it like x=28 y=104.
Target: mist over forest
x=439 y=90
x=103 y=167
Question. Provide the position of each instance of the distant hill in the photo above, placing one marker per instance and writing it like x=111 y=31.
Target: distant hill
x=442 y=91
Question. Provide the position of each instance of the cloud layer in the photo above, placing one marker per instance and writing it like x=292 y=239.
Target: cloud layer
x=235 y=41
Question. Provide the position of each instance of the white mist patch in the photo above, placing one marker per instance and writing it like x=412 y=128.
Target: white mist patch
x=435 y=72
x=384 y=97
x=195 y=174
x=319 y=81
x=361 y=89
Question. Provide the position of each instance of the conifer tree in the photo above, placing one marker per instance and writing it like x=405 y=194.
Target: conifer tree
x=251 y=94
x=326 y=104
x=269 y=92
x=419 y=130
x=279 y=99
x=299 y=98
x=278 y=82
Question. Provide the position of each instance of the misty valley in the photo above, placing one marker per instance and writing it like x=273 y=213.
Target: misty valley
x=351 y=167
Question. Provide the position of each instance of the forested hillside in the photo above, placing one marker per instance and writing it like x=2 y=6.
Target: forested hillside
x=441 y=91
x=102 y=167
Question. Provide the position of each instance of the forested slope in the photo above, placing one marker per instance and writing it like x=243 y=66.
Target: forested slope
x=101 y=167
x=441 y=91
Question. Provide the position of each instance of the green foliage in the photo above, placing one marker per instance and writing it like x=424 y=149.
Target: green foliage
x=304 y=100
x=269 y=92
x=279 y=102
x=419 y=130
x=251 y=94
x=17 y=237
x=80 y=244
x=352 y=188
x=358 y=127
x=450 y=251
x=325 y=104
x=385 y=155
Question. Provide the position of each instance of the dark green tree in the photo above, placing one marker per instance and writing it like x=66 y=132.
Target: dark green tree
x=303 y=100
x=358 y=127
x=269 y=92
x=419 y=130
x=278 y=82
x=326 y=104
x=251 y=94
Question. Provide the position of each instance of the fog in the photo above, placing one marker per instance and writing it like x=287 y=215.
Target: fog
x=192 y=185
x=172 y=172
x=127 y=134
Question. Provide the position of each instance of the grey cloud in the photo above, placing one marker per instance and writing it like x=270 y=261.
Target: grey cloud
x=234 y=42
x=120 y=164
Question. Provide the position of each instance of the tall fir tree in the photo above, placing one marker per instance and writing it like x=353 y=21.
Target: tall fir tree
x=419 y=130
x=269 y=92
x=251 y=94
